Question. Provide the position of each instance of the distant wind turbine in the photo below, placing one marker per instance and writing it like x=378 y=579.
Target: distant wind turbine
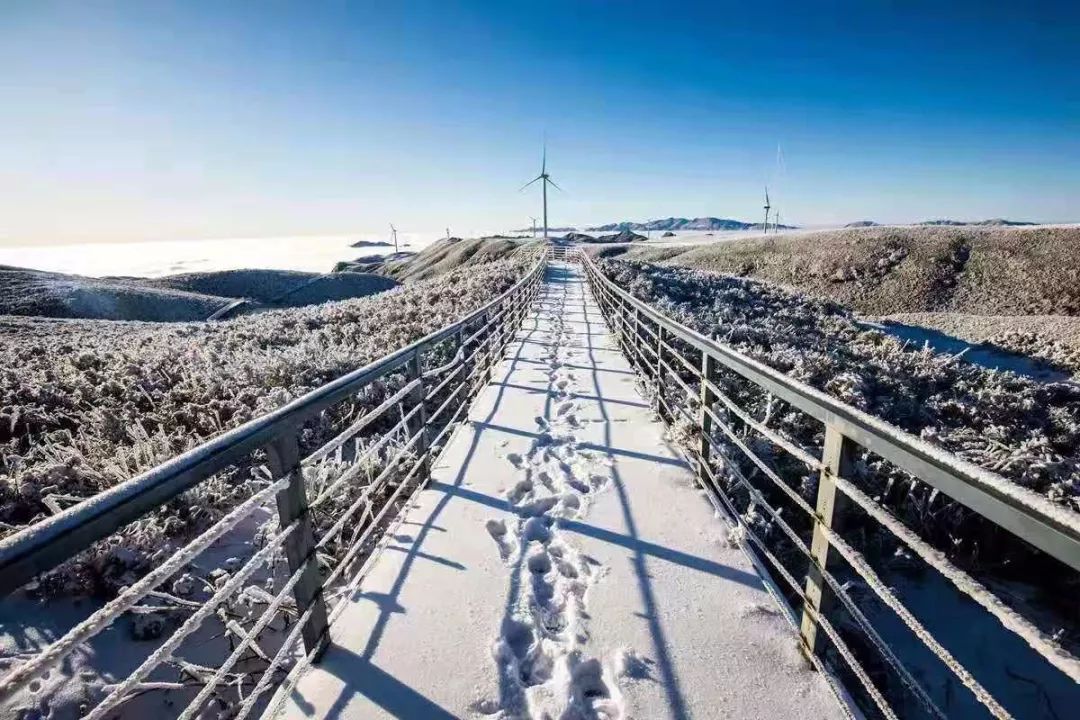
x=447 y=233
x=546 y=181
x=534 y=224
x=393 y=233
x=767 y=206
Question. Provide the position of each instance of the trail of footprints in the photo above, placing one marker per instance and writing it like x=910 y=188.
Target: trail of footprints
x=544 y=672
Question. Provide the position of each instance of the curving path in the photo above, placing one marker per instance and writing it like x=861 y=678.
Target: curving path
x=561 y=564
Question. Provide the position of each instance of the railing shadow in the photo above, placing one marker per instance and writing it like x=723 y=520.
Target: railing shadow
x=358 y=672
x=666 y=666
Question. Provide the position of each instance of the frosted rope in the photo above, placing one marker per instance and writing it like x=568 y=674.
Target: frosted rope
x=447 y=401
x=769 y=472
x=864 y=623
x=374 y=485
x=824 y=624
x=1036 y=638
x=165 y=651
x=248 y=639
x=855 y=559
x=23 y=674
x=796 y=451
x=357 y=464
x=446 y=381
x=359 y=425
x=428 y=374
x=335 y=612
x=834 y=684
x=291 y=638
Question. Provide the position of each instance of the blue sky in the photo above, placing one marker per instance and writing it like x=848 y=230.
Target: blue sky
x=125 y=121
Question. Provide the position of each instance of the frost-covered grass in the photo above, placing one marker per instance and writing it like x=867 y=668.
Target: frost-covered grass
x=173 y=298
x=1025 y=430
x=885 y=270
x=1052 y=339
x=440 y=257
x=87 y=404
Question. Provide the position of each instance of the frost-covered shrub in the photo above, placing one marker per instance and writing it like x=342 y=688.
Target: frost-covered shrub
x=1023 y=429
x=87 y=404
x=886 y=270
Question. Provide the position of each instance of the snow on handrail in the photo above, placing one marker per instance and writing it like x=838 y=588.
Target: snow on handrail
x=42 y=546
x=1031 y=517
x=46 y=544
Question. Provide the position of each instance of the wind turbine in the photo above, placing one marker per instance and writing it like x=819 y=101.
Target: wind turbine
x=767 y=206
x=546 y=181
x=393 y=232
x=534 y=224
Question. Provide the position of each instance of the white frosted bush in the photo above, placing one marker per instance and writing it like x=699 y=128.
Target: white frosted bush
x=87 y=404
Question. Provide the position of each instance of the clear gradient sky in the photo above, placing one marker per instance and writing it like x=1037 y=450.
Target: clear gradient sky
x=145 y=120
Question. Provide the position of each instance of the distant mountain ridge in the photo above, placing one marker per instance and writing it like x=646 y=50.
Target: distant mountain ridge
x=678 y=223
x=994 y=222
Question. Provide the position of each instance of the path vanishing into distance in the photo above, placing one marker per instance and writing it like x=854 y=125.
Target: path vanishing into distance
x=562 y=563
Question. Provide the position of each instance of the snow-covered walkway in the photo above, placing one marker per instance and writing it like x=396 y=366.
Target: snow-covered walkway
x=561 y=564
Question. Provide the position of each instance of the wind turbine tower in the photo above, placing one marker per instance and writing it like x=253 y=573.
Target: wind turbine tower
x=543 y=176
x=393 y=233
x=765 y=227
x=534 y=225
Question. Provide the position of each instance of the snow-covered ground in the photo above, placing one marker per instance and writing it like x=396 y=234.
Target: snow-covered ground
x=562 y=563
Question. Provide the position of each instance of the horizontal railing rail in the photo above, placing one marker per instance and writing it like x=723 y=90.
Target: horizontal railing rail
x=327 y=522
x=669 y=354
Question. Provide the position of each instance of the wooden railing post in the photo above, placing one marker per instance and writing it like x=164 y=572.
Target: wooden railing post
x=623 y=321
x=838 y=456
x=637 y=339
x=707 y=397
x=459 y=342
x=419 y=422
x=484 y=341
x=659 y=353
x=659 y=376
x=283 y=458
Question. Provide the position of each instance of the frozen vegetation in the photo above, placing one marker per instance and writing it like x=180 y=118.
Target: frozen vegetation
x=885 y=270
x=36 y=293
x=86 y=404
x=1015 y=289
x=173 y=298
x=1022 y=429
x=439 y=257
x=1052 y=339
x=1025 y=430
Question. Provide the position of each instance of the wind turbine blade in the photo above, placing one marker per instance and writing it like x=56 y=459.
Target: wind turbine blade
x=538 y=177
x=543 y=161
x=553 y=183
